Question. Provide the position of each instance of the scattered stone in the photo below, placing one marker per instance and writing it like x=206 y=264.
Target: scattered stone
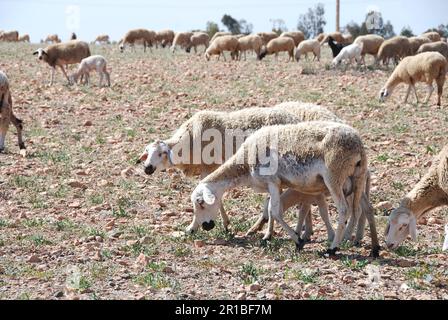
x=22 y=215
x=34 y=259
x=199 y=243
x=384 y=205
x=88 y=123
x=77 y=184
x=168 y=269
x=219 y=242
x=142 y=260
x=253 y=287
x=241 y=296
x=406 y=263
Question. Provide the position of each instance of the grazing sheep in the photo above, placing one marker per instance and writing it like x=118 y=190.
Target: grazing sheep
x=250 y=42
x=267 y=36
x=53 y=38
x=10 y=36
x=335 y=47
x=73 y=36
x=429 y=193
x=181 y=39
x=7 y=115
x=221 y=44
x=424 y=67
x=91 y=63
x=160 y=155
x=297 y=36
x=102 y=39
x=164 y=38
x=147 y=37
x=279 y=45
x=309 y=157
x=439 y=46
x=371 y=45
x=350 y=53
x=433 y=36
x=320 y=37
x=337 y=36
x=415 y=43
x=306 y=46
x=348 y=38
x=61 y=54
x=220 y=34
x=395 y=48
x=198 y=39
x=24 y=38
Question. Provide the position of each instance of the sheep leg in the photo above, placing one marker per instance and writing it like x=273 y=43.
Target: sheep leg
x=225 y=218
x=53 y=69
x=308 y=226
x=261 y=220
x=65 y=73
x=19 y=126
x=323 y=211
x=407 y=93
x=430 y=91
x=304 y=215
x=440 y=82
x=369 y=214
x=4 y=124
x=415 y=92
x=107 y=77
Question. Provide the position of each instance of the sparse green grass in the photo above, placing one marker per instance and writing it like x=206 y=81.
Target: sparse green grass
x=406 y=251
x=355 y=265
x=39 y=240
x=249 y=273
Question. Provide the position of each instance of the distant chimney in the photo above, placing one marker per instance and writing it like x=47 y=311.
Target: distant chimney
x=337 y=15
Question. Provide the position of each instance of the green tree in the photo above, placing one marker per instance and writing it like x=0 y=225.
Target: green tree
x=407 y=32
x=211 y=28
x=231 y=23
x=278 y=26
x=245 y=27
x=387 y=31
x=312 y=23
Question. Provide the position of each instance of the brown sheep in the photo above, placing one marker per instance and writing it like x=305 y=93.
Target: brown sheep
x=11 y=36
x=416 y=42
x=371 y=44
x=395 y=48
x=440 y=46
x=181 y=39
x=250 y=42
x=278 y=45
x=198 y=39
x=53 y=38
x=147 y=37
x=221 y=44
x=267 y=36
x=164 y=38
x=297 y=36
x=433 y=36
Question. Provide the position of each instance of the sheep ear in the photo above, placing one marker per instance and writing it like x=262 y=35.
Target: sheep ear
x=386 y=231
x=35 y=52
x=44 y=52
x=209 y=197
x=142 y=158
x=413 y=228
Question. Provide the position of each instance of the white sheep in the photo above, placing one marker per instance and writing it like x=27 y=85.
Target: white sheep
x=424 y=67
x=350 y=53
x=395 y=48
x=306 y=46
x=429 y=193
x=249 y=42
x=181 y=39
x=439 y=46
x=309 y=157
x=11 y=36
x=91 y=63
x=7 y=115
x=371 y=45
x=147 y=37
x=222 y=44
x=280 y=44
x=61 y=54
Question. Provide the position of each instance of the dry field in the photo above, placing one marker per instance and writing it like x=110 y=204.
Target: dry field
x=78 y=220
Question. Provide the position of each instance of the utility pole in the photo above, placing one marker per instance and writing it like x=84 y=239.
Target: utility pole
x=337 y=14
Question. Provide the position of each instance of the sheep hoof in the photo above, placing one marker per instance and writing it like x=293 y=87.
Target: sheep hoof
x=300 y=245
x=332 y=252
x=357 y=243
x=375 y=252
x=1 y=150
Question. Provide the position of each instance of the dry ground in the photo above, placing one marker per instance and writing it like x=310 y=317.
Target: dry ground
x=74 y=225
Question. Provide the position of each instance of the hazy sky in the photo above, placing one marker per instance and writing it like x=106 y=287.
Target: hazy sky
x=89 y=18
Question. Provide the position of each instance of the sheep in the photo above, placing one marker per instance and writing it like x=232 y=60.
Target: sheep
x=220 y=34
x=102 y=39
x=320 y=37
x=267 y=36
x=335 y=47
x=439 y=46
x=371 y=45
x=429 y=193
x=424 y=67
x=297 y=36
x=164 y=38
x=158 y=155
x=249 y=42
x=24 y=38
x=337 y=36
x=433 y=36
x=53 y=38
x=350 y=52
x=309 y=157
x=445 y=243
x=311 y=45
x=61 y=54
x=7 y=115
x=198 y=39
x=221 y=44
x=73 y=36
x=416 y=42
x=147 y=37
x=91 y=63
x=278 y=45
x=395 y=48
x=11 y=36
x=181 y=39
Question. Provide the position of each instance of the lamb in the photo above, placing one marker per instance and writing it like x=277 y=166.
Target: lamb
x=53 y=38
x=371 y=45
x=61 y=54
x=198 y=39
x=250 y=42
x=181 y=39
x=395 y=48
x=278 y=45
x=350 y=52
x=10 y=36
x=309 y=157
x=432 y=35
x=335 y=47
x=220 y=34
x=424 y=67
x=159 y=155
x=7 y=115
x=430 y=192
x=306 y=46
x=221 y=44
x=91 y=63
x=164 y=38
x=147 y=37
x=24 y=38
x=416 y=42
x=297 y=36
x=102 y=39
x=440 y=46
x=267 y=36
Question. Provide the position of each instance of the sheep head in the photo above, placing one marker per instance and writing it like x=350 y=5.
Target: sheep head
x=41 y=54
x=206 y=205
x=402 y=223
x=156 y=157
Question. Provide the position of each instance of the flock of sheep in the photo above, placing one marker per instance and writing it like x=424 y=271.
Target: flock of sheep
x=316 y=154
